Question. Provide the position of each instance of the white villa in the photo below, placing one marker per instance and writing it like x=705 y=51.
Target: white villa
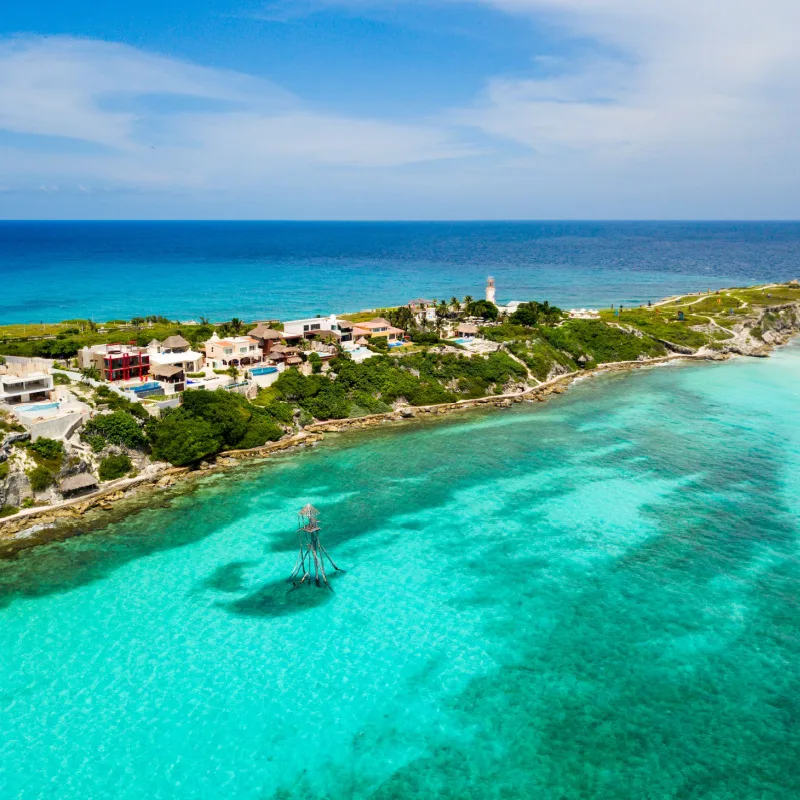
x=423 y=310
x=236 y=350
x=25 y=388
x=175 y=351
x=306 y=328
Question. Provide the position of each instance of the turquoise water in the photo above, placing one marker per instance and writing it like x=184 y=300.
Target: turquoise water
x=592 y=598
x=263 y=270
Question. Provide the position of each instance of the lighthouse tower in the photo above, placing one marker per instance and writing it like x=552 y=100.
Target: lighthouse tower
x=490 y=290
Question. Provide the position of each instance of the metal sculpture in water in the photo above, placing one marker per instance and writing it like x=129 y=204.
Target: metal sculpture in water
x=312 y=555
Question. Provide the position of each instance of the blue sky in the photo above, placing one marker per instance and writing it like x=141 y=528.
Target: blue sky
x=367 y=109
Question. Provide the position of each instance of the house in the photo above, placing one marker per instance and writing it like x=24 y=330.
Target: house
x=175 y=351
x=170 y=376
x=377 y=327
x=25 y=388
x=467 y=329
x=116 y=362
x=315 y=326
x=235 y=350
x=422 y=310
x=267 y=337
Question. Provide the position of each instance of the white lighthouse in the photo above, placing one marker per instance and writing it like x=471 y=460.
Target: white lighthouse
x=490 y=290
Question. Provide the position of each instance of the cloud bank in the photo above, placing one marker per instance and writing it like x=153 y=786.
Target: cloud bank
x=681 y=109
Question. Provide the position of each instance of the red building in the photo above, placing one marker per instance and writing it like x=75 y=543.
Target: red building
x=116 y=362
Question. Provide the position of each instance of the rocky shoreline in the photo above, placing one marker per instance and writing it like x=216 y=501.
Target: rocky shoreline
x=31 y=527
x=35 y=526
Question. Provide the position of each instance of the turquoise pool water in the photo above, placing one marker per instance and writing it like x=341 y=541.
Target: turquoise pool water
x=42 y=409
x=591 y=598
x=263 y=370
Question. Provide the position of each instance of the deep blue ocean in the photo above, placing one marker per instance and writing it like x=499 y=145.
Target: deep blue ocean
x=51 y=271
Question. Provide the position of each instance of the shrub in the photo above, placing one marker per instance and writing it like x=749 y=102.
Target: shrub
x=182 y=438
x=41 y=478
x=260 y=431
x=118 y=428
x=425 y=337
x=482 y=308
x=4 y=469
x=97 y=443
x=116 y=402
x=61 y=380
x=316 y=363
x=48 y=449
x=380 y=343
x=7 y=511
x=195 y=374
x=533 y=313
x=113 y=467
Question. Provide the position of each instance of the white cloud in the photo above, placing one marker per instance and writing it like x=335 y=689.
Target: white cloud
x=698 y=80
x=91 y=92
x=679 y=108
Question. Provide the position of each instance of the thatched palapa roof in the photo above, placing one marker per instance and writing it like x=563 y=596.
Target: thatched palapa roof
x=165 y=370
x=171 y=342
x=263 y=331
x=76 y=483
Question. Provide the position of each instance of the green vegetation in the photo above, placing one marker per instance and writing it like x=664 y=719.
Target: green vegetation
x=118 y=428
x=8 y=425
x=41 y=477
x=4 y=469
x=419 y=378
x=601 y=343
x=378 y=344
x=60 y=379
x=483 y=309
x=7 y=511
x=195 y=374
x=533 y=313
x=316 y=363
x=209 y=422
x=47 y=449
x=665 y=326
x=48 y=455
x=113 y=467
x=64 y=339
x=116 y=402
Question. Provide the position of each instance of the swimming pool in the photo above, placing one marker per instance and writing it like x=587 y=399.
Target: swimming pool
x=263 y=370
x=42 y=409
x=464 y=341
x=144 y=387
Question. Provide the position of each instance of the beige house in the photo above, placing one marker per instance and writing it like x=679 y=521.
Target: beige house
x=116 y=362
x=235 y=350
x=377 y=327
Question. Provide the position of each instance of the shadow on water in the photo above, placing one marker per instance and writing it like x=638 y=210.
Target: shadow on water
x=97 y=547
x=363 y=464
x=227 y=578
x=280 y=599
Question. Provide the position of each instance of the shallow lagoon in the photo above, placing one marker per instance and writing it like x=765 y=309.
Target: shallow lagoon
x=592 y=598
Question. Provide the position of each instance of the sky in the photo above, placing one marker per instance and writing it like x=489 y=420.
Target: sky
x=400 y=109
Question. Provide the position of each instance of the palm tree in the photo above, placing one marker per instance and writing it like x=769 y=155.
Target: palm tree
x=90 y=374
x=236 y=325
x=233 y=371
x=455 y=305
